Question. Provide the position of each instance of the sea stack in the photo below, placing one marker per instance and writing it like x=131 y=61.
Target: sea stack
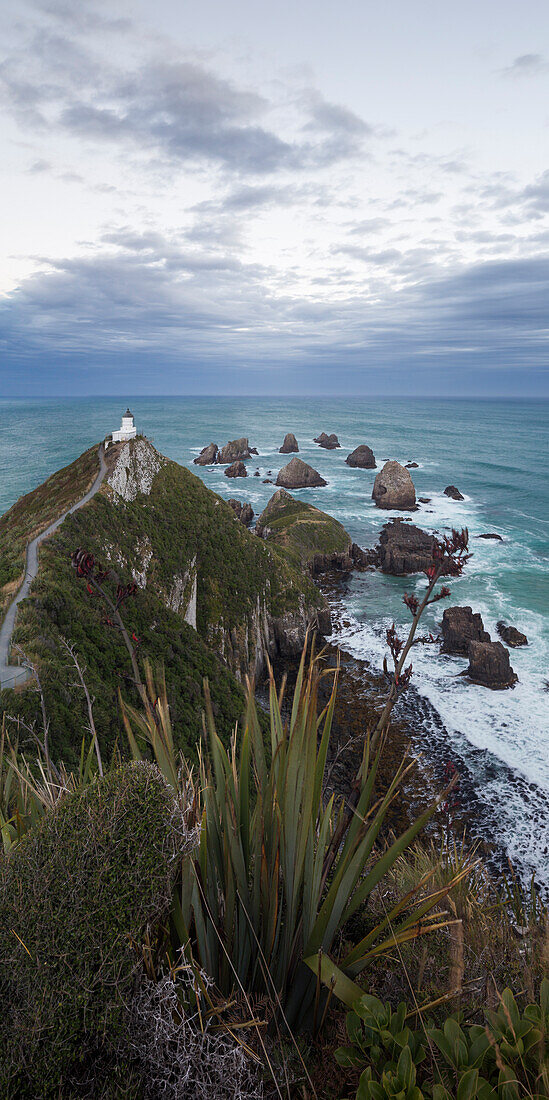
x=329 y=442
x=393 y=487
x=362 y=458
x=299 y=475
x=290 y=445
x=207 y=456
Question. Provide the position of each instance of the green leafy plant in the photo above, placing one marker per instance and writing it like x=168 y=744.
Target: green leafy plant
x=280 y=869
x=503 y=1060
x=398 y=1082
x=378 y=1035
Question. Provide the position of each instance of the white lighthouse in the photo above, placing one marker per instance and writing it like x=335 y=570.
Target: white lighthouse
x=127 y=429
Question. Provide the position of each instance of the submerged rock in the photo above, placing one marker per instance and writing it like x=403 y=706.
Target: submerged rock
x=424 y=500
x=290 y=445
x=207 y=456
x=236 y=469
x=393 y=487
x=236 y=450
x=329 y=442
x=404 y=548
x=489 y=535
x=299 y=475
x=362 y=458
x=451 y=491
x=460 y=627
x=243 y=512
x=511 y=635
x=490 y=666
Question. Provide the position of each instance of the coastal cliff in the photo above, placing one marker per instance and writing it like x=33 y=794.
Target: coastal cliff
x=212 y=599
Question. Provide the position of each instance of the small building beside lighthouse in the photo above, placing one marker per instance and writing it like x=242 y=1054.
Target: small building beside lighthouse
x=127 y=430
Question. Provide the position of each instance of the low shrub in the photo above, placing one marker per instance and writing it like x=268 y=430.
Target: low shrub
x=77 y=895
x=504 y=1059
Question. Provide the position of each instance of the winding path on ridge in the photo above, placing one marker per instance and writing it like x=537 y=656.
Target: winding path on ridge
x=10 y=675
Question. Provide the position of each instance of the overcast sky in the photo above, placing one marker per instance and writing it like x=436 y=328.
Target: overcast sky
x=312 y=196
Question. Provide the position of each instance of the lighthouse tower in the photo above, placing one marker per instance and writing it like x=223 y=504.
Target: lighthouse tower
x=127 y=428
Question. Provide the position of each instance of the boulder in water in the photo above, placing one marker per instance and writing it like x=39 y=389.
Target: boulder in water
x=236 y=469
x=460 y=627
x=207 y=456
x=299 y=475
x=393 y=487
x=412 y=466
x=511 y=636
x=404 y=548
x=236 y=450
x=362 y=458
x=451 y=491
x=490 y=666
x=490 y=535
x=290 y=445
x=329 y=442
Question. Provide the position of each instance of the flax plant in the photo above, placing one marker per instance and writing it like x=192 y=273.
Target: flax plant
x=280 y=868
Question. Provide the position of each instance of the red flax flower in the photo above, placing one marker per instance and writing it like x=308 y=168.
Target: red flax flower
x=394 y=642
x=411 y=602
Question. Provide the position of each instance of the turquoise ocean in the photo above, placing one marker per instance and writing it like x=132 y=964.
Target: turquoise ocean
x=495 y=451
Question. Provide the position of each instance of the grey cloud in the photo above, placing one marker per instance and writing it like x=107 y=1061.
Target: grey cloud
x=367 y=226
x=528 y=64
x=38 y=167
x=369 y=255
x=335 y=119
x=178 y=111
x=154 y=298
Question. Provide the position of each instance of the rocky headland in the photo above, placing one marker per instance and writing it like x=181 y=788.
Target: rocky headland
x=310 y=539
x=211 y=598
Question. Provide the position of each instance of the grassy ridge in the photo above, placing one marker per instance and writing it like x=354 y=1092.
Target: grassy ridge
x=300 y=532
x=179 y=521
x=33 y=512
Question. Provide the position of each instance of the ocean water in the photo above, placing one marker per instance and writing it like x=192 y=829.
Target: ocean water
x=496 y=452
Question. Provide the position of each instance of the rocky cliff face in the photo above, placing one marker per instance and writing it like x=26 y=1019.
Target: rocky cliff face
x=134 y=470
x=274 y=605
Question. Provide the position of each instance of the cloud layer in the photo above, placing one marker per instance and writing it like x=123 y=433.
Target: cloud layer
x=217 y=224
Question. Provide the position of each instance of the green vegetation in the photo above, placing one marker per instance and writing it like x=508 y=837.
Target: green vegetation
x=280 y=873
x=179 y=529
x=183 y=930
x=267 y=870
x=504 y=1058
x=34 y=512
x=77 y=896
x=302 y=533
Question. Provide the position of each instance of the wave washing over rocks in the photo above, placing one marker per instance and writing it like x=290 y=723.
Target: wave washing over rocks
x=504 y=791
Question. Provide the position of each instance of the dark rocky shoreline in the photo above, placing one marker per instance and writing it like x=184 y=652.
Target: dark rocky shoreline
x=416 y=727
